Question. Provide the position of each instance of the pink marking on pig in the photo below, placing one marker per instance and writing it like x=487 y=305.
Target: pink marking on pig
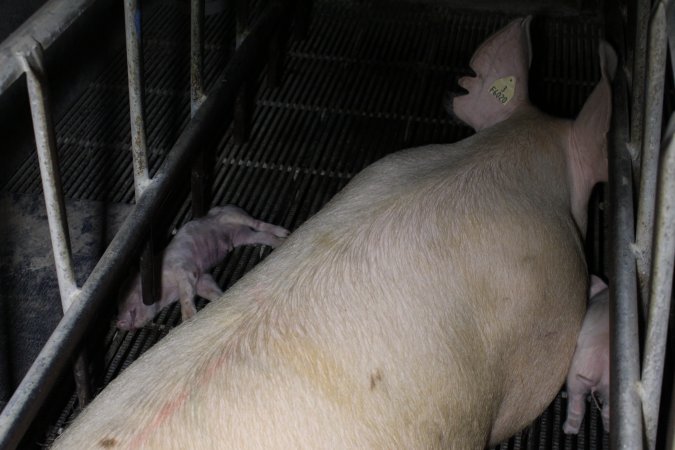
x=197 y=247
x=170 y=407
x=589 y=372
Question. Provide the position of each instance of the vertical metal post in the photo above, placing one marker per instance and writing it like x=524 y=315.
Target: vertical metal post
x=54 y=200
x=49 y=172
x=134 y=38
x=132 y=23
x=651 y=146
x=626 y=423
x=660 y=291
x=196 y=55
x=638 y=80
x=202 y=168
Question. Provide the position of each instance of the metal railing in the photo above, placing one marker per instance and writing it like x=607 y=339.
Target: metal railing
x=22 y=53
x=642 y=262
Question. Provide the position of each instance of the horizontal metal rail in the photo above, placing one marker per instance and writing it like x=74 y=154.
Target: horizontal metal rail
x=214 y=114
x=44 y=27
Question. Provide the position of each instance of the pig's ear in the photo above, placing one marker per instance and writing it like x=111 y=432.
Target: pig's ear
x=597 y=285
x=501 y=65
x=591 y=126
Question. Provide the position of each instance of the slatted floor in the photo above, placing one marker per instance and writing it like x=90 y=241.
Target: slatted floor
x=370 y=79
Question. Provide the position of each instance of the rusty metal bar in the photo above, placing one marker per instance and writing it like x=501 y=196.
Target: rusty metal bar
x=132 y=25
x=45 y=142
x=626 y=423
x=660 y=290
x=214 y=114
x=651 y=146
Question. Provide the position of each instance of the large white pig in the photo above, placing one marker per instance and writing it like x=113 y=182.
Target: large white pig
x=434 y=303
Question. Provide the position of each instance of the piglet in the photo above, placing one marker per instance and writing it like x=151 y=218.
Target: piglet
x=590 y=364
x=197 y=247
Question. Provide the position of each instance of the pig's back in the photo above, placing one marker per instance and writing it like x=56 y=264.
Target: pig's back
x=420 y=308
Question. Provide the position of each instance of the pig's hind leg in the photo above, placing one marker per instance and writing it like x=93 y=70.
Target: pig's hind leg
x=208 y=288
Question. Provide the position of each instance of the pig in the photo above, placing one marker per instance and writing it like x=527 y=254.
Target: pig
x=590 y=364
x=434 y=302
x=198 y=246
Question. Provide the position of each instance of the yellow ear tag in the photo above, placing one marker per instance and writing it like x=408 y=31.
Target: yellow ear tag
x=503 y=89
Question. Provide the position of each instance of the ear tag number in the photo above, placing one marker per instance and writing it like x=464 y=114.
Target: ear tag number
x=503 y=89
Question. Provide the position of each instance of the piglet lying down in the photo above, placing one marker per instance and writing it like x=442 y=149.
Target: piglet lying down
x=197 y=247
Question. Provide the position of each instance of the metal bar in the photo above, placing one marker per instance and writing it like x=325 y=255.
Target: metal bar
x=660 y=291
x=52 y=188
x=651 y=146
x=132 y=25
x=196 y=55
x=44 y=27
x=638 y=80
x=214 y=114
x=139 y=149
x=45 y=142
x=202 y=168
x=670 y=18
x=151 y=270
x=201 y=180
x=626 y=423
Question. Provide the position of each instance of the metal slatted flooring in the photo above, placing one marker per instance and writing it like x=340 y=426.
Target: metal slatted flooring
x=369 y=80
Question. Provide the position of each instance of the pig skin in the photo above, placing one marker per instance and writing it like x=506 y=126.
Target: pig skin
x=433 y=303
x=589 y=372
x=197 y=247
